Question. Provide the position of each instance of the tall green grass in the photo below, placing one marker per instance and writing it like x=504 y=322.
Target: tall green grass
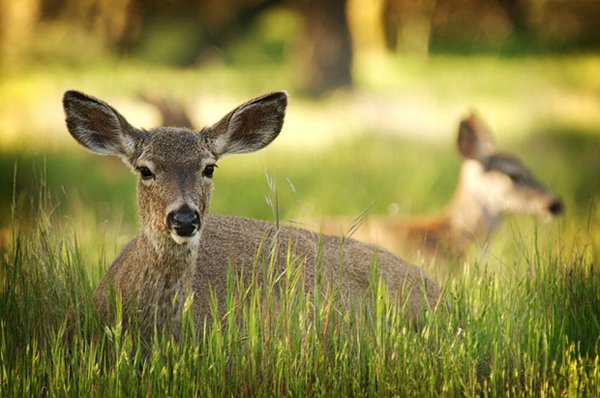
x=533 y=333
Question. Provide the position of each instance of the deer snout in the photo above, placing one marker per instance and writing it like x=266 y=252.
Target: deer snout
x=184 y=221
x=556 y=207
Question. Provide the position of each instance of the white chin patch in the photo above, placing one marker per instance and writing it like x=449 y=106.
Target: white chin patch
x=182 y=240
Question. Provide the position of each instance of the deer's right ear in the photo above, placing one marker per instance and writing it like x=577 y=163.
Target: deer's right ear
x=474 y=140
x=97 y=126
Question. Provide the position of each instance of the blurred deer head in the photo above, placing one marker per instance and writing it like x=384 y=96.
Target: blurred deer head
x=497 y=180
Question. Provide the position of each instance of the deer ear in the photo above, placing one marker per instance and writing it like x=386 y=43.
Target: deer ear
x=250 y=126
x=474 y=139
x=97 y=126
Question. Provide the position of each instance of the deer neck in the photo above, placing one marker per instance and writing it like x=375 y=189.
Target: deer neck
x=168 y=259
x=469 y=218
x=165 y=281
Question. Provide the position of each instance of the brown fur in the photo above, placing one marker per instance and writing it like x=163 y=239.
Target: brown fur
x=159 y=268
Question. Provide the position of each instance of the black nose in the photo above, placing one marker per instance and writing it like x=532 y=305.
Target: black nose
x=556 y=207
x=184 y=221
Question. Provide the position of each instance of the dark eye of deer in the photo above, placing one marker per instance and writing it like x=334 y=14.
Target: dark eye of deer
x=145 y=173
x=209 y=170
x=516 y=178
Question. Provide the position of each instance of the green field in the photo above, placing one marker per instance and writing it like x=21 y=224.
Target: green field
x=523 y=320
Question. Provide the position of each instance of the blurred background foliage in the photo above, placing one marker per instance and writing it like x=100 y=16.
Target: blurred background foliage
x=377 y=89
x=322 y=34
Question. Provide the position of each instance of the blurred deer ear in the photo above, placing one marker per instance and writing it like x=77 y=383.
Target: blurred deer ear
x=474 y=139
x=97 y=126
x=250 y=126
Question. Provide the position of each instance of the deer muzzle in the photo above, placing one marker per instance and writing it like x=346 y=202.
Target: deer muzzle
x=185 y=221
x=556 y=207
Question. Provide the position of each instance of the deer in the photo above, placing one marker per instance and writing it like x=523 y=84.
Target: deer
x=182 y=252
x=492 y=184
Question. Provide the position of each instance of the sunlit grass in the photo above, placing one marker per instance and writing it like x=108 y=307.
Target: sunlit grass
x=522 y=334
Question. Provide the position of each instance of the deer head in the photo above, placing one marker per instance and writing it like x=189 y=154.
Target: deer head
x=174 y=166
x=498 y=180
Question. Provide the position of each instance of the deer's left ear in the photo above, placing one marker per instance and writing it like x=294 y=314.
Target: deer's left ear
x=250 y=126
x=474 y=139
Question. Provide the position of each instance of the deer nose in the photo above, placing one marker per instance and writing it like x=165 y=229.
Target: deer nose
x=184 y=221
x=556 y=207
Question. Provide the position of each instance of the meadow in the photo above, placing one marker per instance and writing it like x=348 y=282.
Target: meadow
x=521 y=320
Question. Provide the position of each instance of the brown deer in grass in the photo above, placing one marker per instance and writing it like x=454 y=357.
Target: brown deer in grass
x=182 y=250
x=492 y=184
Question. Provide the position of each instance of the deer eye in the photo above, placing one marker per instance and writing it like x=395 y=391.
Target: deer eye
x=145 y=173
x=516 y=178
x=209 y=170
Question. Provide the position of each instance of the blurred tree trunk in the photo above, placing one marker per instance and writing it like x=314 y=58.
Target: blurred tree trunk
x=109 y=19
x=407 y=24
x=226 y=24
x=515 y=12
x=17 y=23
x=328 y=48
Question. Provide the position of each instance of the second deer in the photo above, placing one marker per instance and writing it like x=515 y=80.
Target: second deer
x=492 y=184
